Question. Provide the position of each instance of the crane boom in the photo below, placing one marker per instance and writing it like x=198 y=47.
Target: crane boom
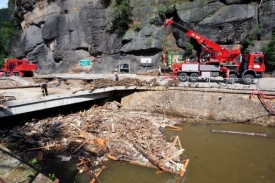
x=223 y=54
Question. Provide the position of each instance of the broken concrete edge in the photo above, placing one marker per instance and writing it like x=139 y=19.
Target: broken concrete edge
x=17 y=107
x=54 y=97
x=109 y=89
x=25 y=86
x=36 y=178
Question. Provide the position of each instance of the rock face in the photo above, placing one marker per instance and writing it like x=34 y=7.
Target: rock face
x=56 y=34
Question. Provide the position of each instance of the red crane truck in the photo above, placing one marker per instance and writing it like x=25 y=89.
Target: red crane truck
x=215 y=60
x=18 y=68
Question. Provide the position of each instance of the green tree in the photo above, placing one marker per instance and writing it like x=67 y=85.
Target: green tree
x=188 y=49
x=6 y=32
x=7 y=29
x=269 y=53
x=4 y=15
x=248 y=41
x=11 y=6
x=122 y=15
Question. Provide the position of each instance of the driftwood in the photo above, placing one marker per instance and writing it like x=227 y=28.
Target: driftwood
x=97 y=175
x=171 y=127
x=170 y=149
x=44 y=147
x=149 y=156
x=176 y=154
x=94 y=150
x=181 y=174
x=81 y=145
x=148 y=165
x=94 y=139
x=241 y=133
x=124 y=136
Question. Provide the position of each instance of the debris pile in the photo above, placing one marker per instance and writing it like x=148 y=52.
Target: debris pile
x=127 y=82
x=105 y=132
x=172 y=83
x=3 y=99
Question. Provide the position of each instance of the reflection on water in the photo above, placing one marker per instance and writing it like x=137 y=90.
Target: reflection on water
x=214 y=157
x=227 y=158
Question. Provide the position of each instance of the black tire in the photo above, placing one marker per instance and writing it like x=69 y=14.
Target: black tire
x=183 y=77
x=194 y=77
x=248 y=79
x=232 y=79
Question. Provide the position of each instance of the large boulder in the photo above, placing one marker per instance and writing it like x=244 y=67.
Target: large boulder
x=30 y=40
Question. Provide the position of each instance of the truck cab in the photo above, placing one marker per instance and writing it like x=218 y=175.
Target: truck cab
x=252 y=66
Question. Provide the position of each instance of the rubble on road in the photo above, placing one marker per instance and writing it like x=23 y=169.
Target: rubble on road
x=4 y=98
x=127 y=82
x=104 y=132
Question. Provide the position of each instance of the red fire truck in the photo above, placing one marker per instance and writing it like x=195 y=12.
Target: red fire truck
x=15 y=67
x=216 y=60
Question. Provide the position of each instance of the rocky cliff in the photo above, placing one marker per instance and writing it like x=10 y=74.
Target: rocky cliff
x=56 y=34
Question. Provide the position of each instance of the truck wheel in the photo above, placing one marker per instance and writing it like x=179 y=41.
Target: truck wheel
x=248 y=79
x=194 y=77
x=232 y=79
x=183 y=76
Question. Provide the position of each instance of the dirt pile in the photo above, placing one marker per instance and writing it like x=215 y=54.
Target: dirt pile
x=103 y=132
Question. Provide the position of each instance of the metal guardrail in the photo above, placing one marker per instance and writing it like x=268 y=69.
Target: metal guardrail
x=266 y=84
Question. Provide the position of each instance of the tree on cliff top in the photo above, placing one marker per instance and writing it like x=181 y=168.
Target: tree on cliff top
x=4 y=15
x=122 y=15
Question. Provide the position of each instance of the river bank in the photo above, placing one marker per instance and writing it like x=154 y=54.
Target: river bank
x=204 y=104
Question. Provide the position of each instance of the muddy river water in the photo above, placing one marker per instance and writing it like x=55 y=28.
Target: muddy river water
x=214 y=158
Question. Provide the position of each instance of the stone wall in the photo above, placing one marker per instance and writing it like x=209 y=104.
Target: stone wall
x=201 y=105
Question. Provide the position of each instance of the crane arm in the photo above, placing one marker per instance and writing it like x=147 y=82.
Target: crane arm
x=208 y=44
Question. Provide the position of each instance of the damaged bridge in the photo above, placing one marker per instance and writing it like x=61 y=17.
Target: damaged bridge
x=15 y=107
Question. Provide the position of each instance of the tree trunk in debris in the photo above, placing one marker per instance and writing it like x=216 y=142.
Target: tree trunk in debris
x=94 y=150
x=149 y=156
x=241 y=133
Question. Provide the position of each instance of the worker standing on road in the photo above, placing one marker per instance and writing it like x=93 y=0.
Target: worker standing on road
x=116 y=75
x=44 y=89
